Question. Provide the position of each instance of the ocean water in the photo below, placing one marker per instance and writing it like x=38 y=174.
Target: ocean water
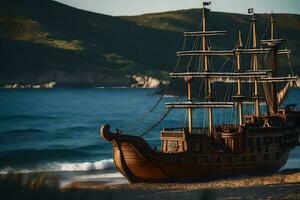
x=57 y=130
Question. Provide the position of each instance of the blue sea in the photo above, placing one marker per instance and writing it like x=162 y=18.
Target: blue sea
x=57 y=130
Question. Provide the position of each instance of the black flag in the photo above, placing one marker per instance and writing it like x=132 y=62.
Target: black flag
x=206 y=3
x=250 y=10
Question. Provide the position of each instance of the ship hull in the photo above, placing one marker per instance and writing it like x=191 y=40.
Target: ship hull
x=135 y=159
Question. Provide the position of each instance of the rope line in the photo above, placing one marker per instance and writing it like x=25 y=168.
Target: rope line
x=156 y=123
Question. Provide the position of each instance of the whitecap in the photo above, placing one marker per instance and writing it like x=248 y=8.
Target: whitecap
x=85 y=166
x=65 y=166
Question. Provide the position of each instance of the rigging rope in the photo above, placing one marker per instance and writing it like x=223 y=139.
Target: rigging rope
x=156 y=123
x=164 y=115
x=289 y=60
x=266 y=30
x=131 y=126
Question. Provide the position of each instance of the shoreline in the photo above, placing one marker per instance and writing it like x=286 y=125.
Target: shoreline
x=278 y=191
x=287 y=176
x=281 y=185
x=77 y=87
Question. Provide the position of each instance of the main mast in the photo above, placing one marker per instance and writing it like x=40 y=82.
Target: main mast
x=255 y=65
x=206 y=74
x=207 y=69
x=208 y=81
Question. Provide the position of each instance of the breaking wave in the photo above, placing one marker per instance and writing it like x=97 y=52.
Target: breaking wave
x=84 y=166
x=65 y=167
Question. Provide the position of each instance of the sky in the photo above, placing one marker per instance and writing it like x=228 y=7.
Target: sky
x=137 y=7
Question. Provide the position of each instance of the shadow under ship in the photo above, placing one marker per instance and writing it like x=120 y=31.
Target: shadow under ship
x=256 y=143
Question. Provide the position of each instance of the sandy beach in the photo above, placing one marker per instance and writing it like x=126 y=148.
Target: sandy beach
x=284 y=185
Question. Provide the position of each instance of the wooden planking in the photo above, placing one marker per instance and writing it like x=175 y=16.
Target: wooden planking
x=139 y=163
x=191 y=166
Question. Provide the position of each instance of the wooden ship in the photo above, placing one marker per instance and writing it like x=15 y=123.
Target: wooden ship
x=256 y=143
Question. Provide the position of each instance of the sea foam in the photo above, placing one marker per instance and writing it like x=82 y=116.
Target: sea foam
x=85 y=166
x=60 y=167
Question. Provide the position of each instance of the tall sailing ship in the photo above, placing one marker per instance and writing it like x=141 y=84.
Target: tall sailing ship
x=256 y=143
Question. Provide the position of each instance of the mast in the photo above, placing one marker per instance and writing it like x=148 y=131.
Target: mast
x=255 y=65
x=273 y=44
x=239 y=97
x=274 y=66
x=239 y=76
x=274 y=74
x=190 y=109
x=273 y=31
x=206 y=69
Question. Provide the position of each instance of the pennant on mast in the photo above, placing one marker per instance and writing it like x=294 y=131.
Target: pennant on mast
x=206 y=3
x=250 y=10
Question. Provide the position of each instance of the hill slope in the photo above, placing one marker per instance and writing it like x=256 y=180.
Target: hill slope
x=42 y=41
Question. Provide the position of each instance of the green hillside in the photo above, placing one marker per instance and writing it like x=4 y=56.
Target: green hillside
x=43 y=41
